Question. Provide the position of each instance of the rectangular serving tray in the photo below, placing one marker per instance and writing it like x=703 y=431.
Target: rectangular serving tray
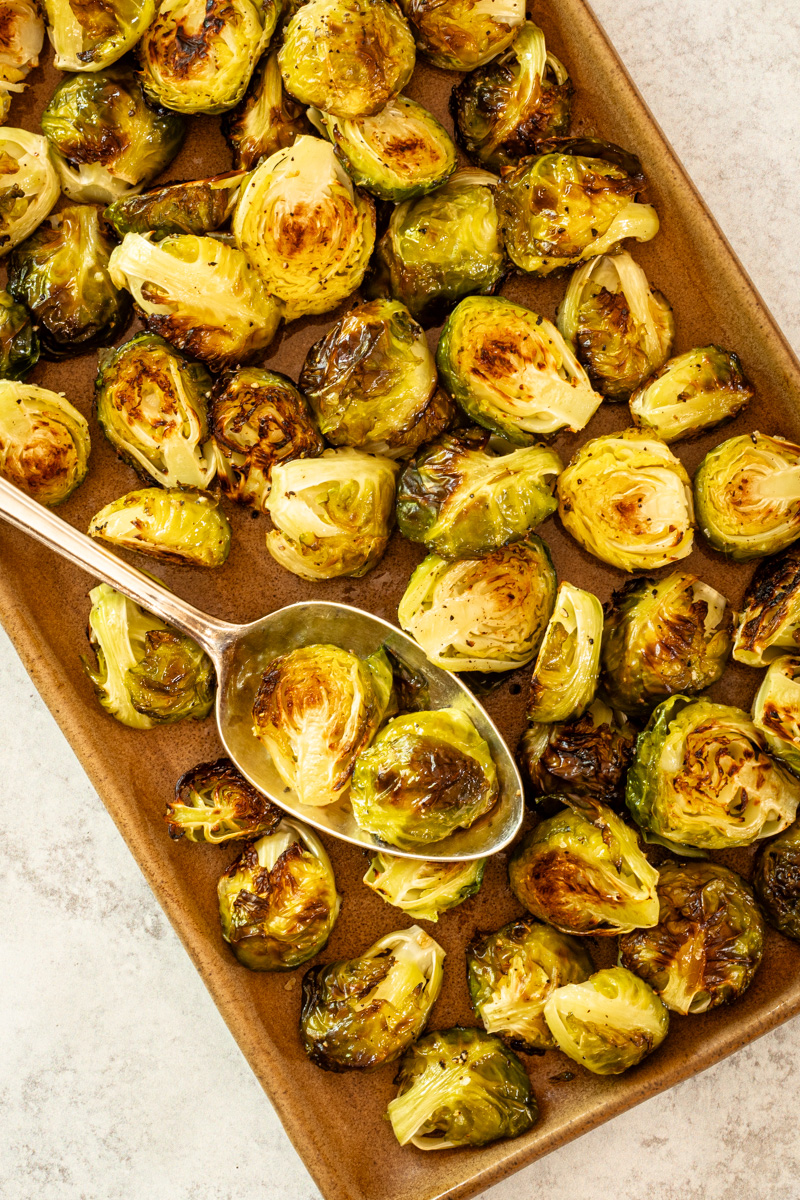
x=336 y=1122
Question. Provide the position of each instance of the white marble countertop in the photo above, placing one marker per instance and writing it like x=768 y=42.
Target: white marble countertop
x=118 y=1078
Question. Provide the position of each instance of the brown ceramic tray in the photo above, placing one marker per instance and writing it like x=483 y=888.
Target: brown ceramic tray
x=336 y=1122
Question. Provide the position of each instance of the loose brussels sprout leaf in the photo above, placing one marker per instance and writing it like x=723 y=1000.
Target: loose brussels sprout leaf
x=512 y=974
x=463 y=34
x=151 y=405
x=619 y=327
x=702 y=776
x=460 y=1087
x=200 y=293
x=19 y=345
x=147 y=674
x=627 y=499
x=709 y=939
x=315 y=710
x=175 y=526
x=663 y=636
x=199 y=206
x=512 y=372
x=503 y=109
x=776 y=710
x=585 y=757
x=215 y=803
x=62 y=274
x=267 y=119
x=776 y=880
x=44 y=442
x=332 y=514
x=461 y=500
x=363 y=1012
x=769 y=624
x=567 y=666
x=692 y=392
x=421 y=888
x=747 y=493
x=278 y=902
x=485 y=614
x=609 y=1023
x=29 y=185
x=22 y=41
x=89 y=35
x=372 y=382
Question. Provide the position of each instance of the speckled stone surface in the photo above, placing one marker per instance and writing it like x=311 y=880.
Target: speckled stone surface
x=118 y=1078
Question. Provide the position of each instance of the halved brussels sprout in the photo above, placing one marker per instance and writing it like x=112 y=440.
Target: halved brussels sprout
x=151 y=405
x=44 y=442
x=29 y=185
x=215 y=803
x=363 y=1012
x=776 y=880
x=463 y=34
x=663 y=636
x=709 y=939
x=512 y=974
x=19 y=345
x=332 y=515
x=512 y=372
x=503 y=109
x=315 y=710
x=609 y=1023
x=147 y=674
x=175 y=526
x=485 y=614
x=692 y=392
x=422 y=888
x=460 y=1087
x=89 y=35
x=565 y=673
x=200 y=293
x=461 y=500
x=267 y=119
x=22 y=41
x=278 y=902
x=589 y=756
x=304 y=226
x=347 y=57
x=561 y=208
x=627 y=499
x=619 y=327
x=425 y=775
x=198 y=206
x=769 y=624
x=776 y=710
x=372 y=382
x=702 y=777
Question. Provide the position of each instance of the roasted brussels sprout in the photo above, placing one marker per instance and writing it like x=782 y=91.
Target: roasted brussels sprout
x=588 y=756
x=332 y=514
x=512 y=973
x=512 y=372
x=627 y=499
x=19 y=345
x=690 y=393
x=44 y=442
x=176 y=526
x=562 y=208
x=460 y=1087
x=485 y=614
x=463 y=34
x=441 y=247
x=702 y=777
x=619 y=327
x=267 y=120
x=769 y=623
x=22 y=41
x=90 y=35
x=151 y=405
x=278 y=902
x=421 y=888
x=29 y=185
x=663 y=636
x=215 y=803
x=315 y=710
x=147 y=674
x=372 y=382
x=776 y=880
x=200 y=293
x=305 y=227
x=199 y=206
x=776 y=710
x=363 y=1012
x=461 y=500
x=709 y=939
x=425 y=775
x=565 y=673
x=609 y=1023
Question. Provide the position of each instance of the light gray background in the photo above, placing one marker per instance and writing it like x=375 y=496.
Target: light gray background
x=118 y=1078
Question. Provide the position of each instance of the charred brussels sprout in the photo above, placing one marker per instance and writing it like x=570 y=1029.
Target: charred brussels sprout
x=421 y=888
x=460 y=1087
x=199 y=206
x=267 y=120
x=175 y=526
x=709 y=939
x=19 y=345
x=690 y=393
x=215 y=803
x=463 y=34
x=588 y=756
x=627 y=499
x=776 y=710
x=769 y=623
x=278 y=902
x=512 y=974
x=426 y=775
x=609 y=1023
x=702 y=777
x=663 y=636
x=776 y=880
x=23 y=38
x=29 y=185
x=512 y=372
x=363 y=1012
x=564 y=678
x=44 y=442
x=89 y=35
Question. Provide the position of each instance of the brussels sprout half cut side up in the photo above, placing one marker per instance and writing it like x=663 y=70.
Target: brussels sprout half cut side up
x=175 y=526
x=776 y=880
x=588 y=756
x=564 y=678
x=421 y=888
x=91 y=36
x=776 y=710
x=197 y=206
x=463 y=34
x=214 y=803
x=267 y=119
x=23 y=38
x=769 y=623
x=29 y=185
x=691 y=393
x=19 y=345
x=363 y=1012
x=44 y=442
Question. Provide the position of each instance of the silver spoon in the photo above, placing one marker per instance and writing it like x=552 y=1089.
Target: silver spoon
x=240 y=654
